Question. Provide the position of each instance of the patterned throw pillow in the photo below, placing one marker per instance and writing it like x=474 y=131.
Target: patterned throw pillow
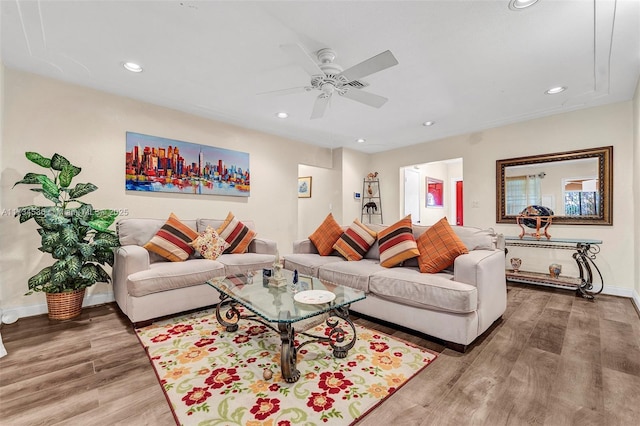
x=236 y=234
x=209 y=244
x=326 y=235
x=397 y=243
x=354 y=243
x=172 y=240
x=439 y=246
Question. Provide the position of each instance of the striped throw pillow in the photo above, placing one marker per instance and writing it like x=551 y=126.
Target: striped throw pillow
x=439 y=246
x=172 y=241
x=236 y=234
x=326 y=235
x=354 y=243
x=397 y=243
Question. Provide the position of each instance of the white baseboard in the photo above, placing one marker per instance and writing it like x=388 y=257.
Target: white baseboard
x=39 y=309
x=636 y=300
x=617 y=291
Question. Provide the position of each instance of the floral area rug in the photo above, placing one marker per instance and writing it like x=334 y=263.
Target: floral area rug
x=214 y=377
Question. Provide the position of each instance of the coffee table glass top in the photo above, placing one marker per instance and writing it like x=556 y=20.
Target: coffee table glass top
x=252 y=291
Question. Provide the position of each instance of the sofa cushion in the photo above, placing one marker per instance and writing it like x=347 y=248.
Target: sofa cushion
x=236 y=234
x=163 y=276
x=308 y=263
x=241 y=263
x=397 y=243
x=432 y=291
x=326 y=235
x=172 y=240
x=354 y=243
x=209 y=244
x=439 y=246
x=350 y=274
x=202 y=223
x=473 y=238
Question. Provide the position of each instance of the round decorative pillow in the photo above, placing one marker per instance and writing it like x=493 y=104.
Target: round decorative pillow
x=533 y=211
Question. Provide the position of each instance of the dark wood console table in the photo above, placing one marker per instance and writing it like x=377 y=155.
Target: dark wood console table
x=585 y=252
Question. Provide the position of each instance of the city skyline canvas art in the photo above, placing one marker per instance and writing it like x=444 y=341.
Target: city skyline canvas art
x=157 y=164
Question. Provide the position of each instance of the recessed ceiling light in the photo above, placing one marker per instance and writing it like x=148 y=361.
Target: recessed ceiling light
x=132 y=66
x=282 y=114
x=361 y=140
x=556 y=90
x=521 y=4
x=428 y=123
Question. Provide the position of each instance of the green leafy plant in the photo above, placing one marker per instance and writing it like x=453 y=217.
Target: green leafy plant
x=73 y=232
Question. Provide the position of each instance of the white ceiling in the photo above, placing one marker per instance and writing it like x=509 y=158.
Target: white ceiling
x=467 y=65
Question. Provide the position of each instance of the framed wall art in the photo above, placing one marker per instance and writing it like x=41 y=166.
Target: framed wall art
x=304 y=187
x=157 y=164
x=434 y=195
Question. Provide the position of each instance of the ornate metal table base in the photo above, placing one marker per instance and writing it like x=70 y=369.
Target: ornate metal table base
x=584 y=256
x=288 y=350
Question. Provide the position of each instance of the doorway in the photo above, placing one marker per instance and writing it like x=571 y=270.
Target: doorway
x=414 y=188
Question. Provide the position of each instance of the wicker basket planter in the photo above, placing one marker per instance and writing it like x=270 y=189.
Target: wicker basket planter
x=67 y=305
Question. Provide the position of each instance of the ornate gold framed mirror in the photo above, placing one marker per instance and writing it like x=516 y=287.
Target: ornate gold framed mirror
x=576 y=185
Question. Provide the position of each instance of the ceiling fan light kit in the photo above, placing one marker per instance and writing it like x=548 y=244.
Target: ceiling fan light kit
x=329 y=78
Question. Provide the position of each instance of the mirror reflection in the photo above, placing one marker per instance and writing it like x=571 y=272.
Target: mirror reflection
x=576 y=185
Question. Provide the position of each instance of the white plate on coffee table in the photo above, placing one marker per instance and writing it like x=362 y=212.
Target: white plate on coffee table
x=314 y=297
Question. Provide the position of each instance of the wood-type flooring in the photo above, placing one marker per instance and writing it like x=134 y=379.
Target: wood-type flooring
x=553 y=359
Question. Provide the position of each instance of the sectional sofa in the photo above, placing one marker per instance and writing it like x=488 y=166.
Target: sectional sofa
x=147 y=286
x=455 y=305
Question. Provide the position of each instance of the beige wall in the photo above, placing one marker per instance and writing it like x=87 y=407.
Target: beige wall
x=594 y=127
x=636 y=190
x=88 y=127
x=312 y=211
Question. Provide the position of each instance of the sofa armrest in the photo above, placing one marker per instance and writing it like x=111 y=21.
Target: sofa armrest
x=128 y=259
x=262 y=246
x=304 y=246
x=484 y=269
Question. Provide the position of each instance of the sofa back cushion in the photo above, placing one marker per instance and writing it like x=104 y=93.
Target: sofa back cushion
x=138 y=232
x=201 y=224
x=473 y=238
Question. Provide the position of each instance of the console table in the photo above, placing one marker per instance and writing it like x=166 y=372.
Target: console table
x=585 y=252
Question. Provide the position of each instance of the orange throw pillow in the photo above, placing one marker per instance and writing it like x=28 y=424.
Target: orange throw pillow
x=439 y=246
x=326 y=235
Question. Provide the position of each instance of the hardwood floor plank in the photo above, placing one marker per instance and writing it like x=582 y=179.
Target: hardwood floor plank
x=620 y=347
x=621 y=397
x=93 y=371
x=524 y=396
x=548 y=335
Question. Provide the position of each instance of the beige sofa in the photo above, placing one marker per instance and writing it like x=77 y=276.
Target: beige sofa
x=455 y=305
x=146 y=286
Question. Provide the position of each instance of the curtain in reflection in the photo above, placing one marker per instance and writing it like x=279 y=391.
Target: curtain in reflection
x=522 y=191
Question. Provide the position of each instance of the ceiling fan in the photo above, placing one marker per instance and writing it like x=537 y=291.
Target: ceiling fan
x=329 y=78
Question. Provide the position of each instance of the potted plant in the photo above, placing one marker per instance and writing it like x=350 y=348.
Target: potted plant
x=77 y=236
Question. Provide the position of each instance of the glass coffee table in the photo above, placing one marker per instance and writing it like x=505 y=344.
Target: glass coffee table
x=289 y=313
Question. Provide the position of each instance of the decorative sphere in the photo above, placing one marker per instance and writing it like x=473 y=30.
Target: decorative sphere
x=267 y=374
x=533 y=211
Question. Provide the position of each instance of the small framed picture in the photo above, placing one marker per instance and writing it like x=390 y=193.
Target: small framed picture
x=357 y=195
x=304 y=187
x=434 y=195
x=305 y=283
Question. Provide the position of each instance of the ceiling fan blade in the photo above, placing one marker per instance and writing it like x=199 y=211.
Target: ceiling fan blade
x=302 y=58
x=288 y=91
x=372 y=65
x=320 y=106
x=366 y=98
